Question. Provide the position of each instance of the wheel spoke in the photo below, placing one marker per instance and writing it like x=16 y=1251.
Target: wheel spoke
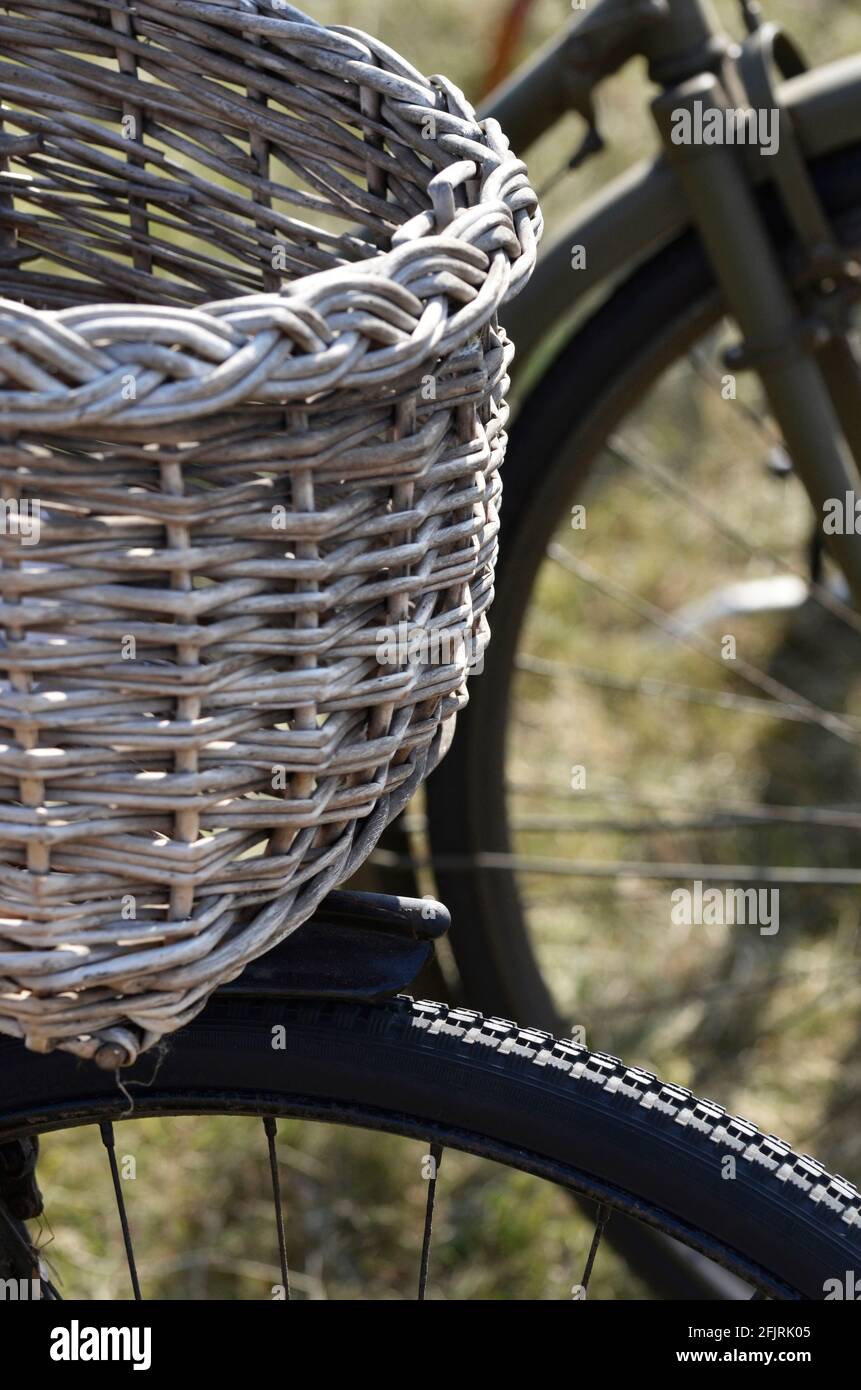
x=664 y=476
x=708 y=373
x=436 y=1152
x=665 y=622
x=107 y=1132
x=574 y=825
x=837 y=813
x=601 y=1222
x=834 y=981
x=799 y=875
x=655 y=687
x=271 y=1129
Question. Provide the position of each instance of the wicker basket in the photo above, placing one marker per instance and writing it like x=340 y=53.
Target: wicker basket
x=251 y=416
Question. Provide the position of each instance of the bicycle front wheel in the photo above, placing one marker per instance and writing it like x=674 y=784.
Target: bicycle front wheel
x=613 y=1134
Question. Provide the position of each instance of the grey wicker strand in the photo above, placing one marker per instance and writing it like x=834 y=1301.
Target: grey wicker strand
x=252 y=414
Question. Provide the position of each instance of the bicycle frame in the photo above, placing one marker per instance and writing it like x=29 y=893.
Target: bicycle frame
x=812 y=385
x=645 y=208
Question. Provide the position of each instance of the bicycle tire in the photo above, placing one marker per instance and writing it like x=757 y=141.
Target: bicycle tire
x=615 y=1134
x=606 y=369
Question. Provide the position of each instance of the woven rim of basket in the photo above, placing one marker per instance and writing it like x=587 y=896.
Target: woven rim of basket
x=448 y=271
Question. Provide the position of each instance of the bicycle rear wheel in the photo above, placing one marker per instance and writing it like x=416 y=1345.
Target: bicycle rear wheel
x=481 y=835
x=612 y=1134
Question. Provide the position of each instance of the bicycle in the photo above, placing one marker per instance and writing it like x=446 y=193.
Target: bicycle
x=640 y=1148
x=552 y=879
x=614 y=1136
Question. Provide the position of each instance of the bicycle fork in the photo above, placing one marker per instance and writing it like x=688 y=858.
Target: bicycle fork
x=806 y=363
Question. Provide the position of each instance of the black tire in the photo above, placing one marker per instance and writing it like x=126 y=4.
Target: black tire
x=617 y=1135
x=605 y=370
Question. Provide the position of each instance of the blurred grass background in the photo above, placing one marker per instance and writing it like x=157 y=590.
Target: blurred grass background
x=199 y=1202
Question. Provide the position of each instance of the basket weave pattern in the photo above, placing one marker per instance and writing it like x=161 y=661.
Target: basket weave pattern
x=255 y=438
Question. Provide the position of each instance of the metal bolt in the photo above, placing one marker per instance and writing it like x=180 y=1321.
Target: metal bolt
x=111 y=1056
